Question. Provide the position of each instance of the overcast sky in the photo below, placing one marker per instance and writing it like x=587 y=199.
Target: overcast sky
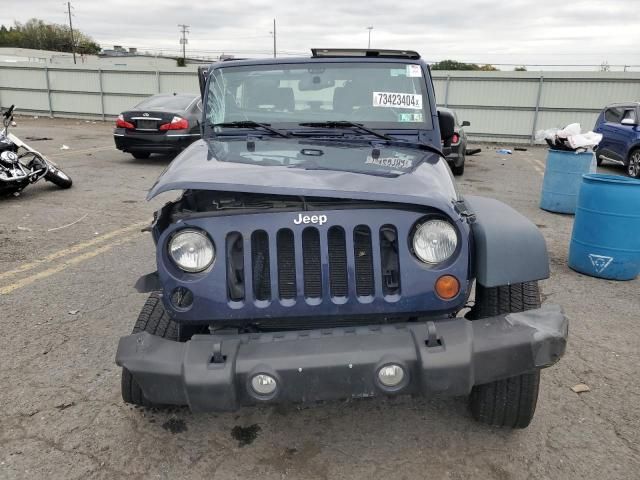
x=501 y=32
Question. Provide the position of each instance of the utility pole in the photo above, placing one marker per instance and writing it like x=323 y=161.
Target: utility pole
x=73 y=43
x=369 y=28
x=274 y=38
x=183 y=41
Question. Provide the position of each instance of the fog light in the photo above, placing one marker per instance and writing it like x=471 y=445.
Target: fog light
x=391 y=375
x=263 y=384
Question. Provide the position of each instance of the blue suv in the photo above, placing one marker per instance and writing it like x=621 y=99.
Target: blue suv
x=618 y=124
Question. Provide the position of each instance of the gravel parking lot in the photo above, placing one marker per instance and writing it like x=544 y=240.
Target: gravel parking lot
x=66 y=296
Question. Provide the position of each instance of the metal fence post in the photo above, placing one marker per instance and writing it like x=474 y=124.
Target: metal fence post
x=101 y=93
x=446 y=91
x=46 y=76
x=535 y=113
x=158 y=81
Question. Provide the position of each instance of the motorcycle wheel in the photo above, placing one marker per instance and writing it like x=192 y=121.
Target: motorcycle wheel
x=58 y=177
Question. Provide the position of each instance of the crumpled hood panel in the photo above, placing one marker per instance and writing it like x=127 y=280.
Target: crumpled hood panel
x=417 y=177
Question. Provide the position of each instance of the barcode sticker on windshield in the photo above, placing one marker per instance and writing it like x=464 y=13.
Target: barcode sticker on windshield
x=400 y=100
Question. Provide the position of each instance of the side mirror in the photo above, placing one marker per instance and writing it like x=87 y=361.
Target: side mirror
x=628 y=121
x=465 y=124
x=447 y=127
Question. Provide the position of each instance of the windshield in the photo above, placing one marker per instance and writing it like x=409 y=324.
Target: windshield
x=378 y=95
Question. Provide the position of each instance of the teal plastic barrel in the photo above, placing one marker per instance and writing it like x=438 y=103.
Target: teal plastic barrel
x=562 y=178
x=605 y=242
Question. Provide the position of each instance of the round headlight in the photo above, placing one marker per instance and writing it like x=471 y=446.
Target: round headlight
x=191 y=250
x=435 y=241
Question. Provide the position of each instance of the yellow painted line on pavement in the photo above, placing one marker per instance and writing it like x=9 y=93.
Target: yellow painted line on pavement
x=539 y=163
x=65 y=264
x=73 y=249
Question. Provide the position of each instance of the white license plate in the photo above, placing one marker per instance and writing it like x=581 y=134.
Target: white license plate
x=397 y=100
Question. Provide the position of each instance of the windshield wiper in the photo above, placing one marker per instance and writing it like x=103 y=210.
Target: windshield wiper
x=346 y=124
x=252 y=124
x=383 y=136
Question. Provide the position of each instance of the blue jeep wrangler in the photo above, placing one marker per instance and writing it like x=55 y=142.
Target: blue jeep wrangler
x=619 y=126
x=321 y=250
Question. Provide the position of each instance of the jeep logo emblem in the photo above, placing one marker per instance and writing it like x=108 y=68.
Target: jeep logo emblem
x=317 y=219
x=145 y=114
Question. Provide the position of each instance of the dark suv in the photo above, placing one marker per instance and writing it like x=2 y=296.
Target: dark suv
x=619 y=126
x=321 y=250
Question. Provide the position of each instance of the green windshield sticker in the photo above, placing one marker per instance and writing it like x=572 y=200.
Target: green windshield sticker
x=410 y=117
x=398 y=72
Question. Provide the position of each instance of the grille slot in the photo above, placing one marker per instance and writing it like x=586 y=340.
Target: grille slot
x=311 y=263
x=363 y=257
x=260 y=265
x=389 y=260
x=286 y=264
x=338 y=279
x=235 y=267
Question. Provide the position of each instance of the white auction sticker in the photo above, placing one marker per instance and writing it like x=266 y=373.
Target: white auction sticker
x=400 y=100
x=414 y=71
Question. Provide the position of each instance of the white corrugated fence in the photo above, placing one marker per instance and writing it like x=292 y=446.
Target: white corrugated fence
x=501 y=106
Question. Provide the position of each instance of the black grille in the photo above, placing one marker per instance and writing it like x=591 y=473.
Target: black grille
x=304 y=268
x=338 y=281
x=235 y=267
x=389 y=259
x=311 y=264
x=286 y=265
x=260 y=265
x=363 y=260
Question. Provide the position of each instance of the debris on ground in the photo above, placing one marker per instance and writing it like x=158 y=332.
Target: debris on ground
x=68 y=224
x=64 y=406
x=505 y=151
x=38 y=139
x=581 y=388
x=520 y=149
x=74 y=312
x=64 y=147
x=24 y=229
x=472 y=151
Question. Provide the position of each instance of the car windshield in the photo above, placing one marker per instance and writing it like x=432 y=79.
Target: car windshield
x=377 y=95
x=166 y=102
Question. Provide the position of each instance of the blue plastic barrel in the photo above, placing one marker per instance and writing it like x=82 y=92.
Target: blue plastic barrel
x=562 y=178
x=605 y=242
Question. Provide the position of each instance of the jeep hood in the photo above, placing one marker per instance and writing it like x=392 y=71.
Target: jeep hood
x=307 y=167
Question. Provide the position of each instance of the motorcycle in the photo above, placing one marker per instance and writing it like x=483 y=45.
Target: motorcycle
x=21 y=165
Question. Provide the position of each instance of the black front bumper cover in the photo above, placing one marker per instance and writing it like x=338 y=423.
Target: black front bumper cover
x=213 y=372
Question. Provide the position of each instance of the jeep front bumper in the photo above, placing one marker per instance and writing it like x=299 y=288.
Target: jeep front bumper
x=450 y=356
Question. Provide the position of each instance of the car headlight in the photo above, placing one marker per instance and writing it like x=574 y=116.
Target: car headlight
x=435 y=241
x=191 y=250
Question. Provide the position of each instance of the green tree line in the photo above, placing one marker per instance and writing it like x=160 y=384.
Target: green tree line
x=39 y=35
x=454 y=65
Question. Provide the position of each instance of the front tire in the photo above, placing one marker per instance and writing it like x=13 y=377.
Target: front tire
x=458 y=171
x=58 y=177
x=510 y=402
x=152 y=319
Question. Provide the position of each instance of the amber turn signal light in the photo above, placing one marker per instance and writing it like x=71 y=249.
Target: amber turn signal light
x=447 y=287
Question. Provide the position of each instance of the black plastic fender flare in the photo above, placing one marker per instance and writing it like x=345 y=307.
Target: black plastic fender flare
x=508 y=247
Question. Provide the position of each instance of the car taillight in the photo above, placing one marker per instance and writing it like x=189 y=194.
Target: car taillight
x=122 y=123
x=177 y=123
x=455 y=138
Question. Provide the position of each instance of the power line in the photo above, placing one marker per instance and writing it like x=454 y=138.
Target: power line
x=183 y=41
x=73 y=43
